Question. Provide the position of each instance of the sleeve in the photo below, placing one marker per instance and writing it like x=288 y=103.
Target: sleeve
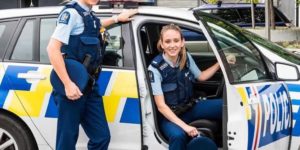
x=193 y=67
x=65 y=24
x=156 y=80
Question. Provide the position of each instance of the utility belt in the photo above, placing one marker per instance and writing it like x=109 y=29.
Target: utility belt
x=183 y=107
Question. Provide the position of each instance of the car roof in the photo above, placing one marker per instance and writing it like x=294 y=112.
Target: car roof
x=142 y=10
x=228 y=5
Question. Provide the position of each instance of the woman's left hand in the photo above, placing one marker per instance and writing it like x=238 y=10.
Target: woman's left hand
x=191 y=131
x=231 y=59
x=126 y=15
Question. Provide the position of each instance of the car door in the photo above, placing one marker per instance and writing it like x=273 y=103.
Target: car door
x=7 y=28
x=258 y=108
x=277 y=53
x=294 y=92
x=27 y=79
x=28 y=64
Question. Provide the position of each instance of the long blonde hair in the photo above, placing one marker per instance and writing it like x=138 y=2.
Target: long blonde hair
x=182 y=53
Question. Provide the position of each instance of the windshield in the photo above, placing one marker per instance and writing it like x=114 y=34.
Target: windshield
x=249 y=64
x=272 y=47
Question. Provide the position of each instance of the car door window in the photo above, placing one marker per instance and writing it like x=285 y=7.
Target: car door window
x=249 y=64
x=259 y=15
x=114 y=50
x=195 y=41
x=114 y=47
x=7 y=28
x=24 y=47
x=47 y=28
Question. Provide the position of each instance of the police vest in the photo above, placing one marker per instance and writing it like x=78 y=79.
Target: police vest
x=176 y=84
x=89 y=42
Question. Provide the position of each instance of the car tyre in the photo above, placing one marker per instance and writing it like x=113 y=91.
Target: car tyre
x=14 y=134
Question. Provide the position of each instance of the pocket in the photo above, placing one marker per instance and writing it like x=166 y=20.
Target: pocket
x=89 y=45
x=170 y=93
x=169 y=87
x=89 y=40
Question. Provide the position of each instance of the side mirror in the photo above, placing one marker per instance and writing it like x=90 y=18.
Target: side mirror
x=286 y=72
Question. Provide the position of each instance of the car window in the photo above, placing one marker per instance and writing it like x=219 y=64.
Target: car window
x=195 y=42
x=249 y=64
x=259 y=15
x=114 y=47
x=273 y=47
x=113 y=54
x=230 y=15
x=47 y=27
x=24 y=47
x=6 y=31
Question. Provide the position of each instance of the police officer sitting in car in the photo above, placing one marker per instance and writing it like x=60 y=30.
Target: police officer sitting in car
x=171 y=74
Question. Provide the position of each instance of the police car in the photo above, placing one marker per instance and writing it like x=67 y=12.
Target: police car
x=261 y=91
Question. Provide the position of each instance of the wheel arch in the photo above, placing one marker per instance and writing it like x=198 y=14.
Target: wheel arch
x=21 y=121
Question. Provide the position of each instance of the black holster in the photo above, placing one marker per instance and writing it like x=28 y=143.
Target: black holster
x=184 y=107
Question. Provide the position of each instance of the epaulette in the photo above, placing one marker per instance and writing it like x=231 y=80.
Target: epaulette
x=159 y=63
x=157 y=60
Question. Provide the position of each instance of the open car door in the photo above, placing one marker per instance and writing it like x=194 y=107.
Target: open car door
x=257 y=107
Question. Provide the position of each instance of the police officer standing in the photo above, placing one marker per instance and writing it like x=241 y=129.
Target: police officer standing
x=77 y=36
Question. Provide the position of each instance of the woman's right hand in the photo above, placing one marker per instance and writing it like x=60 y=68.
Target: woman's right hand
x=72 y=91
x=191 y=131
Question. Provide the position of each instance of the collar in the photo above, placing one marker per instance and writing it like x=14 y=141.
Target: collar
x=169 y=62
x=85 y=7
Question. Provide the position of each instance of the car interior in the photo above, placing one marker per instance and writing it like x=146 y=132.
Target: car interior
x=197 y=45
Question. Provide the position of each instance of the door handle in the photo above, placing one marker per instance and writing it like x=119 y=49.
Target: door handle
x=32 y=75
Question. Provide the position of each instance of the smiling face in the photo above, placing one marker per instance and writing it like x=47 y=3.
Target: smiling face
x=171 y=43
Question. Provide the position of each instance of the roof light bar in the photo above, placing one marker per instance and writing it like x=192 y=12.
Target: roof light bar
x=125 y=3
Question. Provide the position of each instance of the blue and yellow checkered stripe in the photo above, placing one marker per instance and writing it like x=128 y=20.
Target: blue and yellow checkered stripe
x=115 y=86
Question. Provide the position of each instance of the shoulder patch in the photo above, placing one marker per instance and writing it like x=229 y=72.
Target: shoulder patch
x=151 y=76
x=64 y=18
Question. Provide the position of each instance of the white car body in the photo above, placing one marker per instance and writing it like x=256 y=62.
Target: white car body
x=256 y=115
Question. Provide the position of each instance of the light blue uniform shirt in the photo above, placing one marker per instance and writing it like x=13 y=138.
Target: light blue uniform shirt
x=69 y=23
x=157 y=79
